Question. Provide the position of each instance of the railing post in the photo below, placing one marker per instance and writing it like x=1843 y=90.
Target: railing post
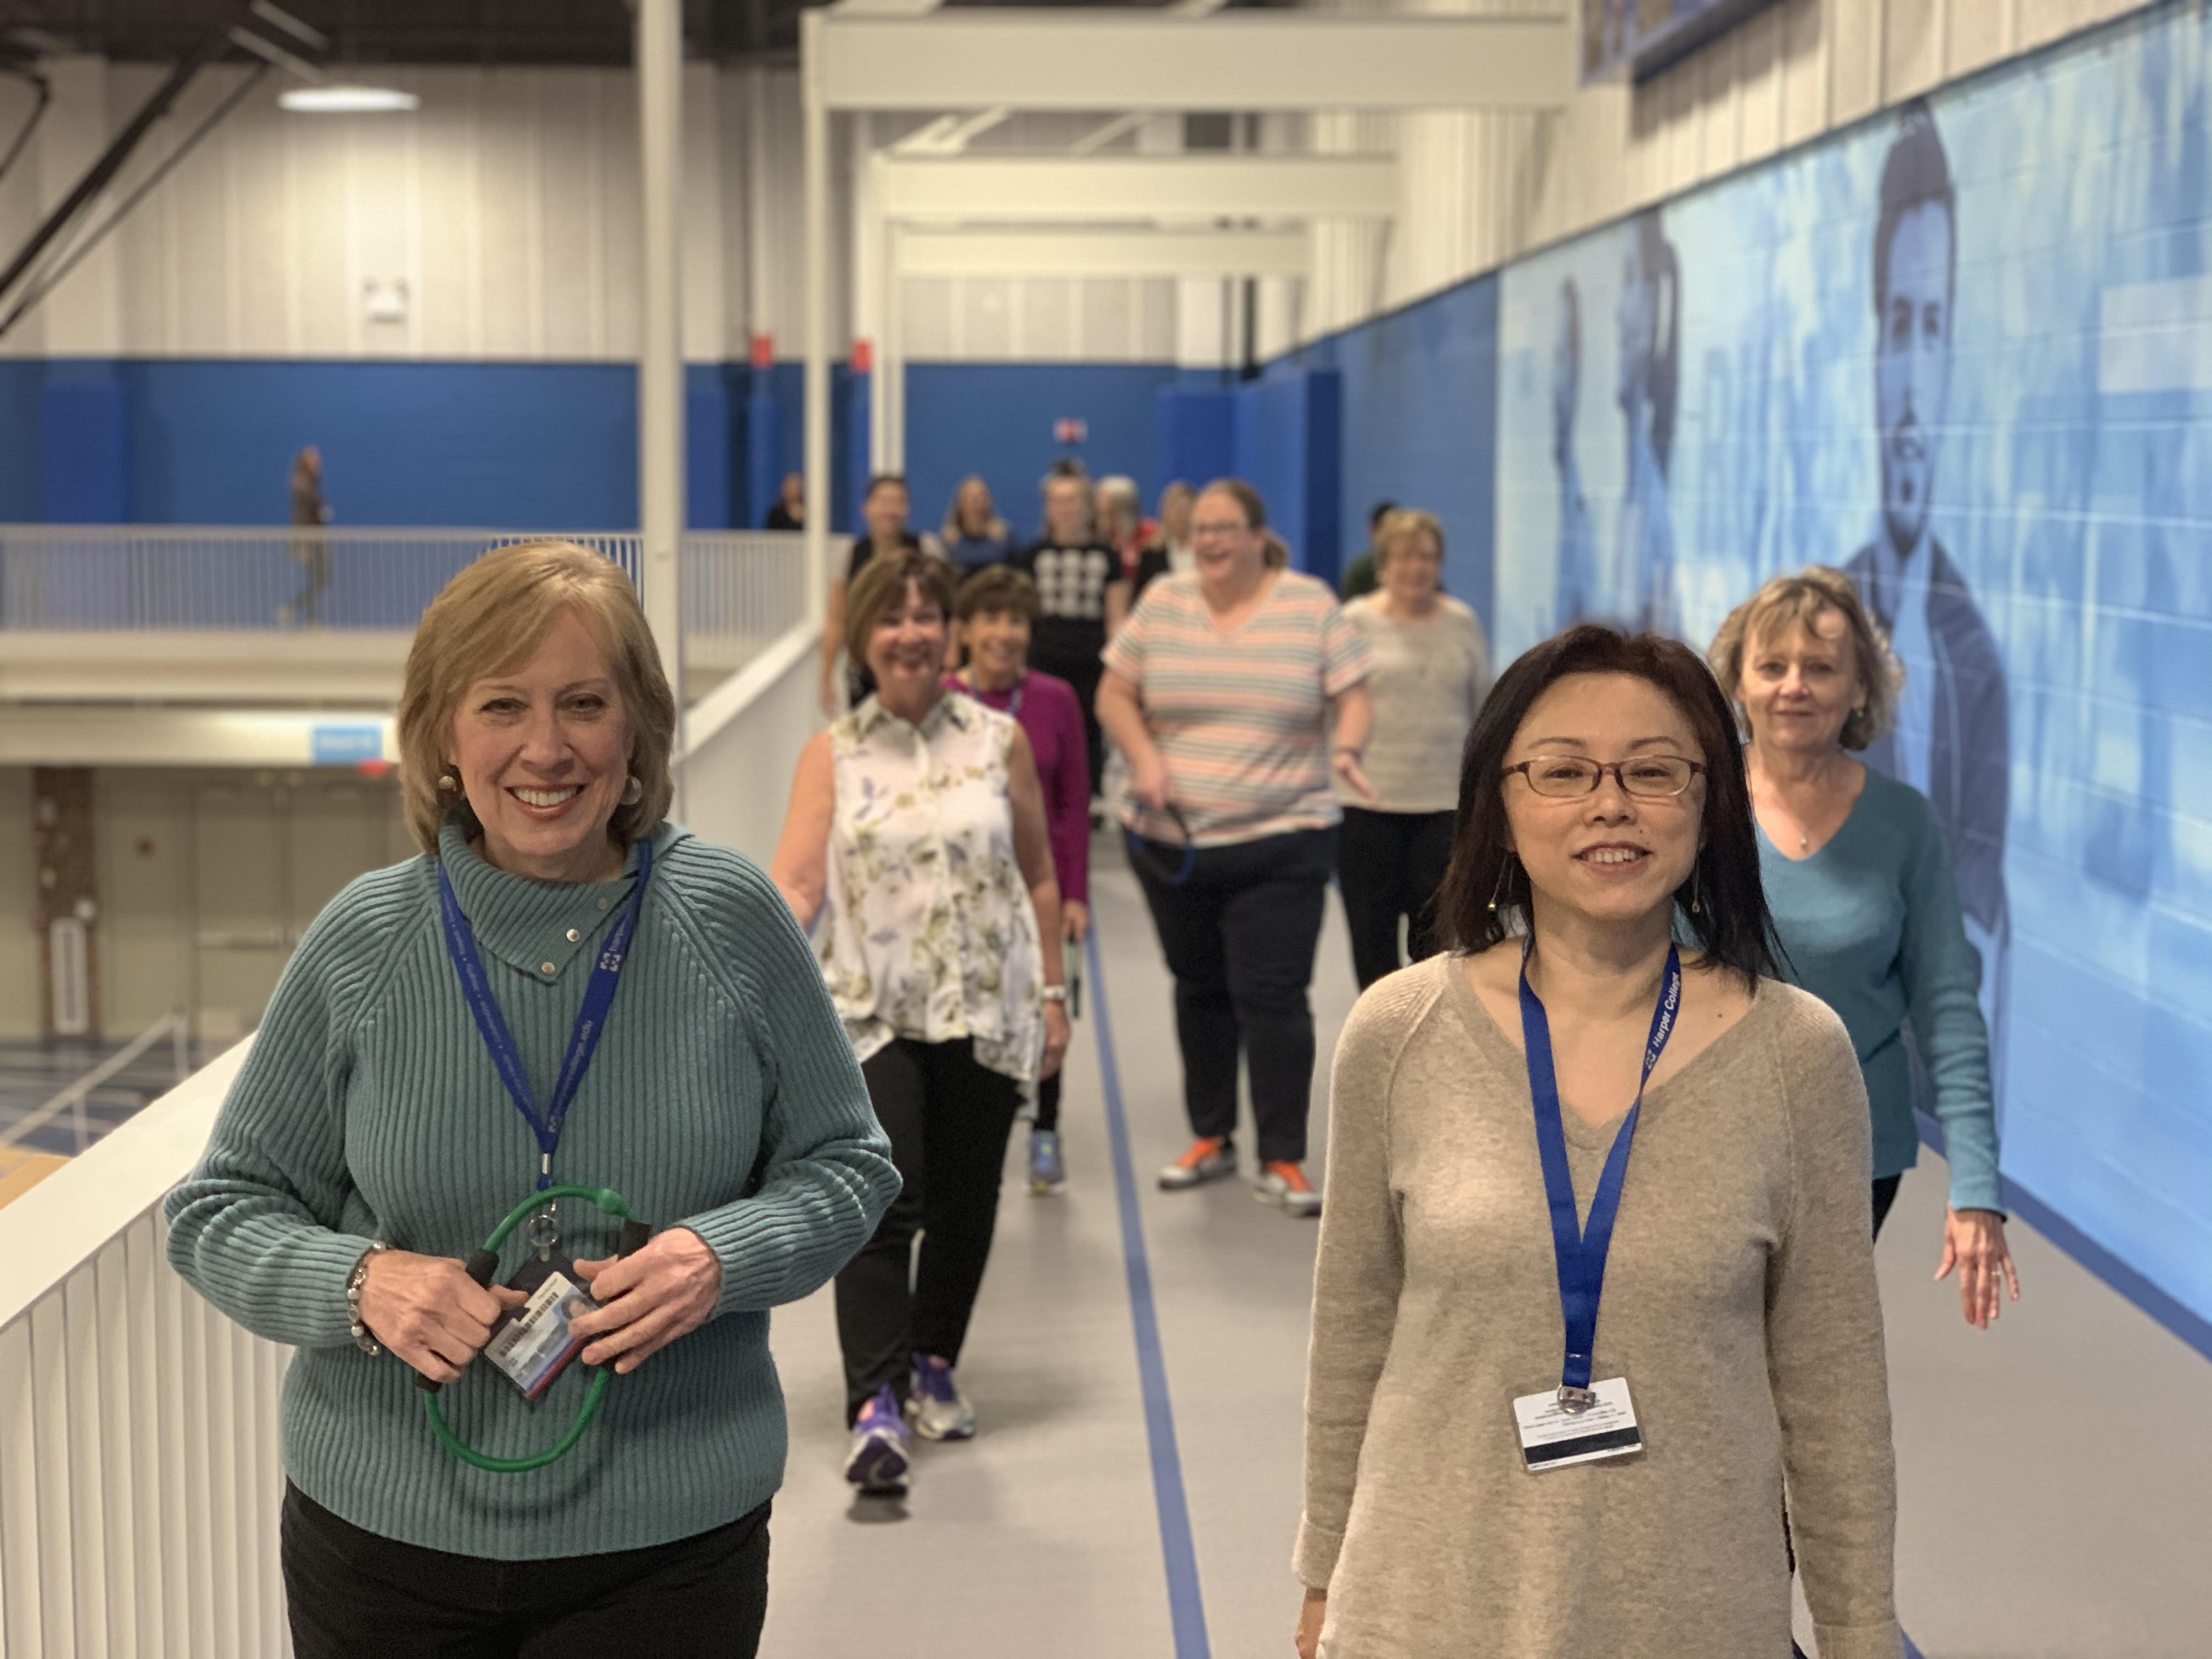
x=659 y=51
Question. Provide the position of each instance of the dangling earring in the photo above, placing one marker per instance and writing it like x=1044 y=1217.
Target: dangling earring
x=447 y=783
x=1504 y=875
x=1697 y=888
x=633 y=792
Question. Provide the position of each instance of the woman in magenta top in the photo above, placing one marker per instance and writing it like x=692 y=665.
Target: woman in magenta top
x=995 y=609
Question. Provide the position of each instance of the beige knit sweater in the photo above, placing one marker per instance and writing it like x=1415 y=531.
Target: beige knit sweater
x=1739 y=1302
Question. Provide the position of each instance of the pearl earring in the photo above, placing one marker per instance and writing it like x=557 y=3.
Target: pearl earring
x=633 y=792
x=447 y=783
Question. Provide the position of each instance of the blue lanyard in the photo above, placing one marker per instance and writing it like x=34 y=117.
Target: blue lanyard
x=1582 y=1253
x=590 y=1019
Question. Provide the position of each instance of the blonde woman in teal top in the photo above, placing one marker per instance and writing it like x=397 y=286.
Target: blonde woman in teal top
x=1860 y=885
x=371 y=1143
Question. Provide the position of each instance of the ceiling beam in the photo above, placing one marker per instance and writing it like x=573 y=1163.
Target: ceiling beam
x=1091 y=252
x=977 y=57
x=1141 y=188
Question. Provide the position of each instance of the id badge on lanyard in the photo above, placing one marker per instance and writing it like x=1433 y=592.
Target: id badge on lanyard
x=583 y=1040
x=1580 y=1422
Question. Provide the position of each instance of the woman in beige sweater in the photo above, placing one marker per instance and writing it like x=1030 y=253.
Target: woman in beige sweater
x=1737 y=1338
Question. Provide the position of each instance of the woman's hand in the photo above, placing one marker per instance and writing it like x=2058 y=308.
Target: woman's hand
x=1149 y=780
x=648 y=1300
x=1074 y=920
x=1056 y=1034
x=1974 y=1242
x=1310 y=1615
x=429 y=1311
x=1345 y=763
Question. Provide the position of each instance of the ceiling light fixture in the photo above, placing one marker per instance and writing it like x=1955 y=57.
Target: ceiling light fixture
x=347 y=100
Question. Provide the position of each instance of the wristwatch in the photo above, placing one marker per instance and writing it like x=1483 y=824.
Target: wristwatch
x=361 y=1338
x=1054 y=994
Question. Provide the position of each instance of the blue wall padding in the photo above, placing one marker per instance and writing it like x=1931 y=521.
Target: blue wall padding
x=996 y=419
x=764 y=463
x=851 y=422
x=712 y=395
x=1289 y=443
x=23 y=498
x=84 y=443
x=1420 y=421
x=1197 y=433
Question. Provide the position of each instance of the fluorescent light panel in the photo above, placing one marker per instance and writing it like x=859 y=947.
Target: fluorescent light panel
x=347 y=100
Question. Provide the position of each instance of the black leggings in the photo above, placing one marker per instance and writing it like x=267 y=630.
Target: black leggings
x=357 y=1595
x=1885 y=1194
x=1389 y=865
x=948 y=1117
x=1239 y=938
x=1047 y=1103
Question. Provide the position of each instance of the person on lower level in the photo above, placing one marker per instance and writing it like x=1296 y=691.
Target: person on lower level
x=1222 y=689
x=995 y=609
x=1431 y=671
x=1855 y=869
x=918 y=821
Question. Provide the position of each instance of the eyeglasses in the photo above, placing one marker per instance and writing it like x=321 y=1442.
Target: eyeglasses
x=1647 y=777
x=1218 y=528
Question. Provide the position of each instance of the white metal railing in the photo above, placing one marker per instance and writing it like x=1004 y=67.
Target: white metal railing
x=742 y=590
x=139 y=1467
x=177 y=1027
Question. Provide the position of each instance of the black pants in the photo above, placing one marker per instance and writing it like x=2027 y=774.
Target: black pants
x=1885 y=1194
x=1389 y=865
x=1239 y=936
x=1070 y=649
x=1048 y=1104
x=948 y=1118
x=354 y=1595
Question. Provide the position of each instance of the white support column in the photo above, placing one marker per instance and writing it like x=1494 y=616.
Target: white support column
x=660 y=50
x=815 y=139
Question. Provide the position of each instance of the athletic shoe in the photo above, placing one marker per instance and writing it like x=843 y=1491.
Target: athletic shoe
x=1286 y=1185
x=940 y=1411
x=877 y=1462
x=1047 y=1174
x=1211 y=1157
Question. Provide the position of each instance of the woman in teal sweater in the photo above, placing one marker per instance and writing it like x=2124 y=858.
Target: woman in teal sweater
x=372 y=1141
x=1860 y=887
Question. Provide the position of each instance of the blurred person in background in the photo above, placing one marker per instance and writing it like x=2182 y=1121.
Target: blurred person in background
x=1167 y=550
x=1431 y=672
x=1856 y=871
x=884 y=509
x=312 y=553
x=1123 y=524
x=789 y=511
x=975 y=535
x=1077 y=574
x=997 y=609
x=1361 y=577
x=369 y=1143
x=918 y=823
x=1222 y=689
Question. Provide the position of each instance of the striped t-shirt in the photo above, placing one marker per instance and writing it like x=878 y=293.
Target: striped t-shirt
x=1240 y=718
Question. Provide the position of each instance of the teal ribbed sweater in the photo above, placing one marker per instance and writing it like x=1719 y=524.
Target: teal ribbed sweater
x=1872 y=926
x=369 y=1109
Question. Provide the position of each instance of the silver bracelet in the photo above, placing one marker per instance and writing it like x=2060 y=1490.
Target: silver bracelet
x=1053 y=993
x=361 y=1338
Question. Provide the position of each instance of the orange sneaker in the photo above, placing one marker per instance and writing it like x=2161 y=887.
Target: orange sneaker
x=1211 y=1157
x=1286 y=1186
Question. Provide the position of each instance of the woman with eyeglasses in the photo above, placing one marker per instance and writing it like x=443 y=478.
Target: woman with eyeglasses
x=1595 y=1270
x=1854 y=865
x=1222 y=689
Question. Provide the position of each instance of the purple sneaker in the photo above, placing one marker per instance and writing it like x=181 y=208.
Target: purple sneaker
x=877 y=1462
x=940 y=1413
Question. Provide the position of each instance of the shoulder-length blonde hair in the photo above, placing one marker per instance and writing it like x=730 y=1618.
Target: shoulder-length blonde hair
x=488 y=621
x=1400 y=526
x=1799 y=600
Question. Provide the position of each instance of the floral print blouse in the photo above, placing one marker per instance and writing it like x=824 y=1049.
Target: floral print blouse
x=930 y=933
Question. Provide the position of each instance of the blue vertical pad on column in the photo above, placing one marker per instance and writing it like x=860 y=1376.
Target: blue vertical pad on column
x=1289 y=446
x=860 y=388
x=1197 y=434
x=83 y=455
x=710 y=452
x=764 y=467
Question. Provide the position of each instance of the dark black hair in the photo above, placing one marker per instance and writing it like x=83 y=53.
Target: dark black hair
x=1731 y=924
x=1379 y=511
x=1916 y=174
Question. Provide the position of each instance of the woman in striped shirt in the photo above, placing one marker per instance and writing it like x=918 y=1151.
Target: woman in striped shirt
x=1222 y=689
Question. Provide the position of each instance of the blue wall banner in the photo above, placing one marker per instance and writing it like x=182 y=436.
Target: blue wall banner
x=344 y=745
x=1965 y=352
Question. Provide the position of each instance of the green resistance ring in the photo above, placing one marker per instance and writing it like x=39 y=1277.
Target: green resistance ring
x=482 y=1266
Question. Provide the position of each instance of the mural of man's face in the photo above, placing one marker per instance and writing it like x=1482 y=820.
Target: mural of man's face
x=1912 y=367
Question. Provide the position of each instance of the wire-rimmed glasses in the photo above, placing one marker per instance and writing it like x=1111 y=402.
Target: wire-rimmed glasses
x=1647 y=777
